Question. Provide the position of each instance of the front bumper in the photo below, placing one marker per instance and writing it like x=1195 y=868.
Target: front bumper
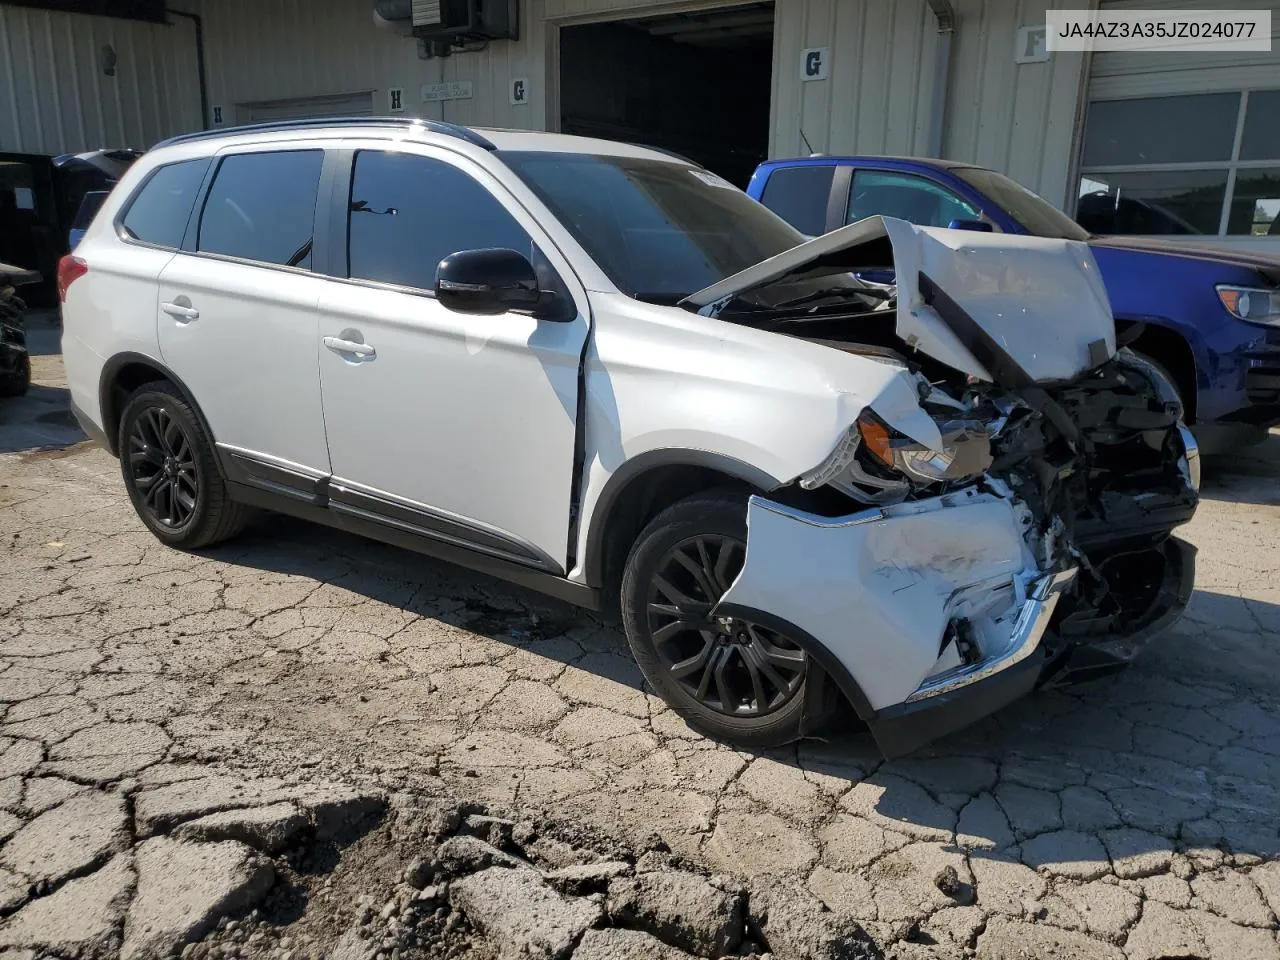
x=928 y=615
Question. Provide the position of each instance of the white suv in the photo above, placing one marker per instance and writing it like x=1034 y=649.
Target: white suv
x=603 y=372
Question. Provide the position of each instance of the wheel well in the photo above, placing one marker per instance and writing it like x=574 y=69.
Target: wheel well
x=116 y=389
x=1172 y=352
x=642 y=498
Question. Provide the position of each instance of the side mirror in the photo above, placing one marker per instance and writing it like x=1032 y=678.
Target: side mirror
x=978 y=226
x=488 y=282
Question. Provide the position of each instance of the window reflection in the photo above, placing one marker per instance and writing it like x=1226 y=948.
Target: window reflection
x=1153 y=202
x=1255 y=205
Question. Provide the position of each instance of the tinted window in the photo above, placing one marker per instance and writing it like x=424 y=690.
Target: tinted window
x=408 y=213
x=1261 y=132
x=159 y=212
x=906 y=197
x=799 y=196
x=262 y=206
x=1029 y=209
x=1159 y=130
x=660 y=230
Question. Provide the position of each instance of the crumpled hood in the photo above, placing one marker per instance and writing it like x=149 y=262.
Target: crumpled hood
x=1041 y=300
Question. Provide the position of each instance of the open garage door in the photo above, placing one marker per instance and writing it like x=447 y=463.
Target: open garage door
x=697 y=84
x=306 y=108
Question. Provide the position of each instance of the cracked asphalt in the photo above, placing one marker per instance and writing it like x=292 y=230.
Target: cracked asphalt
x=1137 y=817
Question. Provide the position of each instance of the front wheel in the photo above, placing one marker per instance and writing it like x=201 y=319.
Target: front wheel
x=730 y=679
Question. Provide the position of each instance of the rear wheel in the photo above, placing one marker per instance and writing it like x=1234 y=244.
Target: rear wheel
x=170 y=472
x=729 y=678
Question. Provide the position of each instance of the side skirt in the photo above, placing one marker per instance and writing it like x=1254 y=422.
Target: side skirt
x=267 y=487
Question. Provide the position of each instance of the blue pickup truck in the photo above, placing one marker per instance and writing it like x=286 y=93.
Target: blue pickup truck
x=1210 y=317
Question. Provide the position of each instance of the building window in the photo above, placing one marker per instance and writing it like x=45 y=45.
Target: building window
x=1198 y=164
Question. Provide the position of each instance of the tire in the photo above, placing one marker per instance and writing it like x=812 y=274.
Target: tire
x=683 y=653
x=17 y=381
x=171 y=472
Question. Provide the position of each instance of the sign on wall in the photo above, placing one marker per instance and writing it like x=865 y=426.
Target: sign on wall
x=813 y=63
x=395 y=99
x=448 y=90
x=520 y=90
x=217 y=115
x=1032 y=45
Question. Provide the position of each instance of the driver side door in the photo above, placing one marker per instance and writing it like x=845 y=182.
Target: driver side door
x=455 y=427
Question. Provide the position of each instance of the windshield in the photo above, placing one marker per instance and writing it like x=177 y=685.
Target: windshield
x=659 y=230
x=1032 y=212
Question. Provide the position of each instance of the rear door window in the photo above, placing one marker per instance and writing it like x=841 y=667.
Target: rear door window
x=159 y=211
x=907 y=197
x=262 y=207
x=799 y=196
x=409 y=212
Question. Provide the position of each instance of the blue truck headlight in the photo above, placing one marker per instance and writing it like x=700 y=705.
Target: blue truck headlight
x=1255 y=304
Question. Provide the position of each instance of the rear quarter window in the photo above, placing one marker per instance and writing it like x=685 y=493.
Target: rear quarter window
x=159 y=211
x=799 y=196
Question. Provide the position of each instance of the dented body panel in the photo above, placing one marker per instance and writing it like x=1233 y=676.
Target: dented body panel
x=663 y=382
x=1042 y=300
x=879 y=588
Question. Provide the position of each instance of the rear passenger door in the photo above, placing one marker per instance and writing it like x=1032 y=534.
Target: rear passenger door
x=237 y=314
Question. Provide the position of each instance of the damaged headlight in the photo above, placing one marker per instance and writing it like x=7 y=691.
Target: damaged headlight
x=965 y=453
x=872 y=454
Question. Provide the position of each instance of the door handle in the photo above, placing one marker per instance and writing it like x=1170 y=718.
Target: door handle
x=181 y=311
x=338 y=345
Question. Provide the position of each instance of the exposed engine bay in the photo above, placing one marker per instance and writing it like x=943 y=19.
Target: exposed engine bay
x=1032 y=545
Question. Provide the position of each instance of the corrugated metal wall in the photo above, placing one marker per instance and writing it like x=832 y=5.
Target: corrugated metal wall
x=286 y=49
x=876 y=99
x=55 y=97
x=1142 y=73
x=1020 y=119
x=1017 y=118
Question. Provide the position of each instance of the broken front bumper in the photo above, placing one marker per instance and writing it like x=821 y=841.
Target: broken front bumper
x=928 y=614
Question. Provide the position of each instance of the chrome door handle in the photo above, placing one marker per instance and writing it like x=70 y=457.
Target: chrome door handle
x=181 y=311
x=338 y=345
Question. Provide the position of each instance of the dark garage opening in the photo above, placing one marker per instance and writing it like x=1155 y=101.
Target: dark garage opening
x=697 y=84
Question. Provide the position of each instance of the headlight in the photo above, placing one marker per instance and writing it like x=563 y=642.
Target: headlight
x=965 y=453
x=1255 y=304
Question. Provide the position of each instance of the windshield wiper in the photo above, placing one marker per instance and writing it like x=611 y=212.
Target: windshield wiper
x=830 y=292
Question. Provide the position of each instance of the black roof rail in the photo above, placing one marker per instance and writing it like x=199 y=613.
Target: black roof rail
x=402 y=123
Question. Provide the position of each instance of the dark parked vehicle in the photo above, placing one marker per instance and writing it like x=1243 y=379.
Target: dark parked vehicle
x=40 y=199
x=1209 y=317
x=15 y=364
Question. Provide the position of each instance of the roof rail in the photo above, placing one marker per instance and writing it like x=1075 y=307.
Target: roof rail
x=402 y=123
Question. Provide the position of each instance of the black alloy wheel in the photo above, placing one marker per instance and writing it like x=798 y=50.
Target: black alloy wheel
x=163 y=468
x=730 y=666
x=171 y=471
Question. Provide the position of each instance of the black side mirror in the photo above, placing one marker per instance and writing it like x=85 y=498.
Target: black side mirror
x=978 y=226
x=488 y=282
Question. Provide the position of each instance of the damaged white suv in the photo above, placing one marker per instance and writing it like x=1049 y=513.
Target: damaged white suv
x=603 y=372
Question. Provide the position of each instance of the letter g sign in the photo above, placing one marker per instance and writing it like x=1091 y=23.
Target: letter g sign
x=813 y=63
